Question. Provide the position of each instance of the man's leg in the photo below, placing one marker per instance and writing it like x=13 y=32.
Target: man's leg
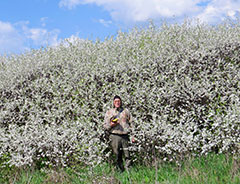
x=120 y=160
x=125 y=146
x=116 y=144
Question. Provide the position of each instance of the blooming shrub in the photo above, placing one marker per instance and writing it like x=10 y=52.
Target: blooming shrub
x=181 y=83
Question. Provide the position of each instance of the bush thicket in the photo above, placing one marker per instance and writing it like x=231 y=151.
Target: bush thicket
x=180 y=82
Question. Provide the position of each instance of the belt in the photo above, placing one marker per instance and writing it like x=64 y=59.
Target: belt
x=123 y=135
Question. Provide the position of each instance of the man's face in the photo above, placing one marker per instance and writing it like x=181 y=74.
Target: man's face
x=117 y=103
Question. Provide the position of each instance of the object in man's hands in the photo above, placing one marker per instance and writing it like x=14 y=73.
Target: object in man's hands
x=115 y=120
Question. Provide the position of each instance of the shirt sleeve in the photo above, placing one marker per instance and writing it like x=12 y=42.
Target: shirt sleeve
x=130 y=119
x=107 y=121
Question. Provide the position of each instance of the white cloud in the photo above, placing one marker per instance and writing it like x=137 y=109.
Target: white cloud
x=19 y=37
x=218 y=10
x=106 y=23
x=6 y=27
x=74 y=39
x=10 y=40
x=43 y=21
x=41 y=36
x=142 y=10
x=69 y=3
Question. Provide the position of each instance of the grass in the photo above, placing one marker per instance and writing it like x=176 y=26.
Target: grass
x=211 y=169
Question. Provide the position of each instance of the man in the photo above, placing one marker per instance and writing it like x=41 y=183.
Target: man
x=118 y=122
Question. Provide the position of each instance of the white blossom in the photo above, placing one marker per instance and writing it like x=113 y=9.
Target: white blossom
x=180 y=82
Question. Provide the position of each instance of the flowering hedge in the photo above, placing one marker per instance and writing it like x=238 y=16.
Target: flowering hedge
x=181 y=83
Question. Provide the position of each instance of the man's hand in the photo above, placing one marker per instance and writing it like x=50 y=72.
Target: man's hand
x=133 y=140
x=113 y=123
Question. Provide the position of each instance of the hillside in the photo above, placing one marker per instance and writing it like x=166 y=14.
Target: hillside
x=181 y=83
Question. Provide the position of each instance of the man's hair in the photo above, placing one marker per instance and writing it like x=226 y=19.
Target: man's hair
x=117 y=97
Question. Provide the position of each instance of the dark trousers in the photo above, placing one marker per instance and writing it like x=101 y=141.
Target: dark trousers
x=119 y=144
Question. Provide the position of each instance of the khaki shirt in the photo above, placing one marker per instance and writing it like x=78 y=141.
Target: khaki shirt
x=125 y=121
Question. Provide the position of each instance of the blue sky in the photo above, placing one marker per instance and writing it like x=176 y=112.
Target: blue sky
x=26 y=24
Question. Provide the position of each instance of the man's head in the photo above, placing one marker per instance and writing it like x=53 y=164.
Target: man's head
x=117 y=101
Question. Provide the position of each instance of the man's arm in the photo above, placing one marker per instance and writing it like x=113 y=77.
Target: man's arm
x=130 y=119
x=108 y=123
x=131 y=123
